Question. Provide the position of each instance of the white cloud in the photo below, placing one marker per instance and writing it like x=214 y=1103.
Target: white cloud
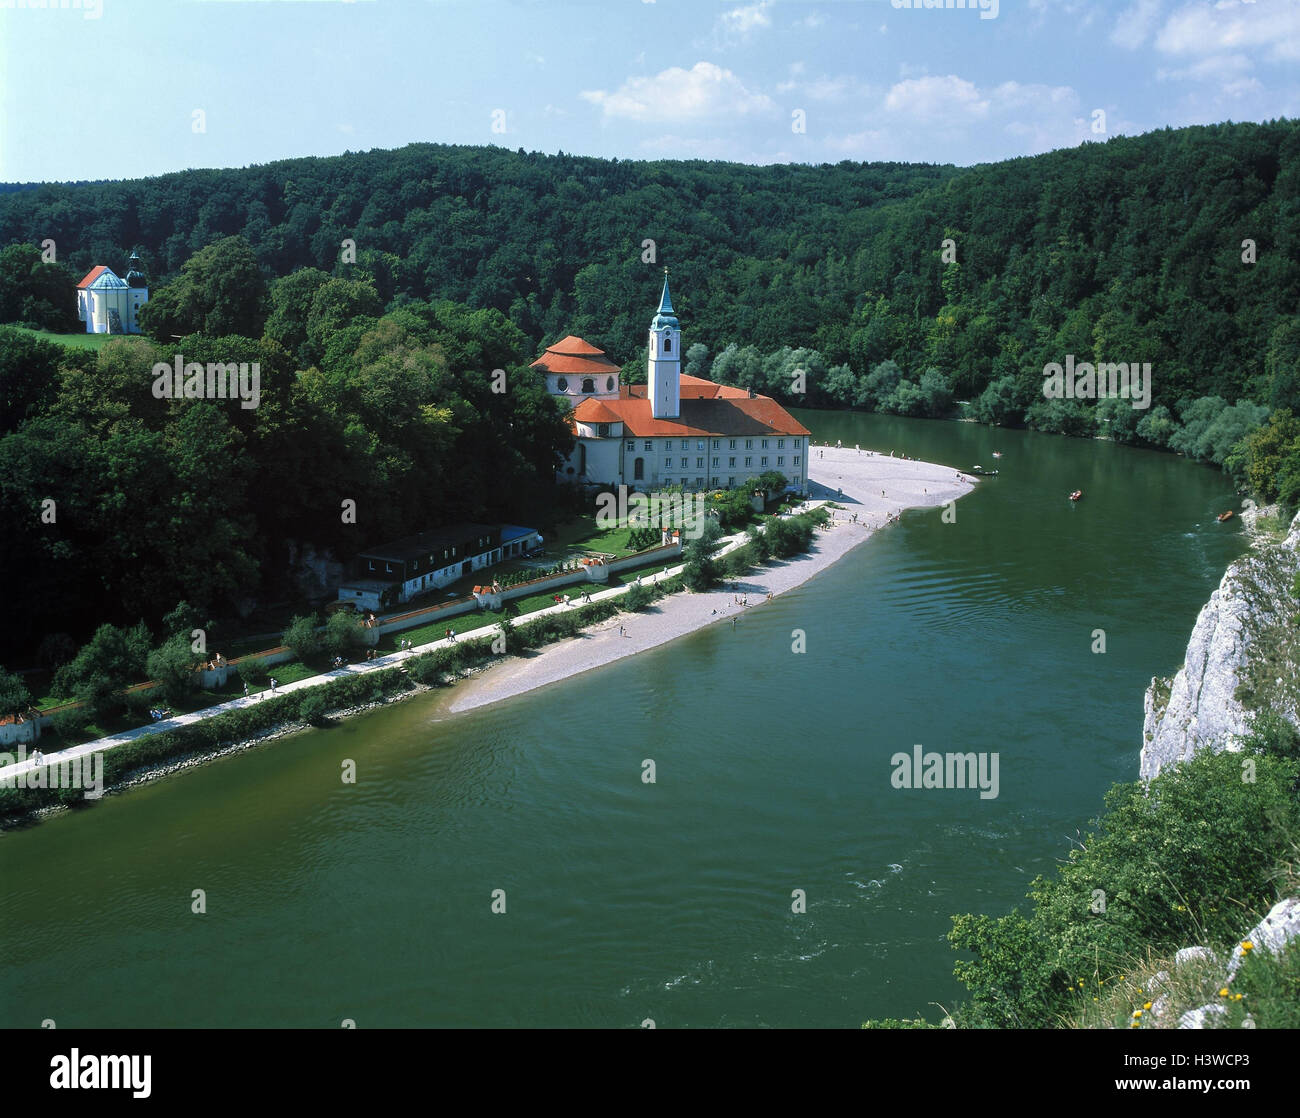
x=740 y=24
x=1271 y=27
x=1215 y=68
x=705 y=90
x=954 y=100
x=1134 y=25
x=1034 y=117
x=947 y=98
x=824 y=89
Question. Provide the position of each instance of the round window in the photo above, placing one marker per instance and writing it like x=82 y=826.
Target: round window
x=609 y=385
x=562 y=384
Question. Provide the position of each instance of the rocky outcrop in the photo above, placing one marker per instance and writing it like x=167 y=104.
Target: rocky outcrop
x=1244 y=654
x=1272 y=935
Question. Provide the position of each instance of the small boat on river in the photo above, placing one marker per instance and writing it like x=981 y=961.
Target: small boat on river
x=1225 y=516
x=1077 y=495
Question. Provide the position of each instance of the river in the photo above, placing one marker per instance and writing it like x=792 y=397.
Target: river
x=672 y=901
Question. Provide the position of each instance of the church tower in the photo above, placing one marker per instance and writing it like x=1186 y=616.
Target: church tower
x=137 y=294
x=664 y=379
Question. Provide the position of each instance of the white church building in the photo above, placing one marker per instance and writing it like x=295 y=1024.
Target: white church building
x=110 y=305
x=675 y=430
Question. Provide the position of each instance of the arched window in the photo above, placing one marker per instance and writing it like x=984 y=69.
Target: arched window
x=668 y=344
x=588 y=384
x=638 y=470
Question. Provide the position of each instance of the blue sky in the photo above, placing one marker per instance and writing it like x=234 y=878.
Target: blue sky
x=111 y=88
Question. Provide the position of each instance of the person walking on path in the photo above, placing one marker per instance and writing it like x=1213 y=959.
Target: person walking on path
x=273 y=685
x=245 y=690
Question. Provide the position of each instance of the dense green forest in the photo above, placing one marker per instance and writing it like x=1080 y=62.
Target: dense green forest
x=378 y=291
x=1126 y=250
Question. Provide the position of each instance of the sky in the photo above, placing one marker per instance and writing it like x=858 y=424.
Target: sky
x=110 y=89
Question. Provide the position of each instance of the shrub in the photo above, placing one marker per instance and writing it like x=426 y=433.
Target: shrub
x=312 y=707
x=636 y=598
x=700 y=573
x=254 y=672
x=14 y=696
x=428 y=669
x=342 y=636
x=69 y=723
x=172 y=664
x=301 y=636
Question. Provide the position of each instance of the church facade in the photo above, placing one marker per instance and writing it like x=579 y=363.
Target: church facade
x=108 y=304
x=674 y=430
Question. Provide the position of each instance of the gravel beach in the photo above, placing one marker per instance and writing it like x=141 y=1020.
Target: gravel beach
x=875 y=487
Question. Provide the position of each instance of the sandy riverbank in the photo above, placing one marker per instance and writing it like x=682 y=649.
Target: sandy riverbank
x=874 y=487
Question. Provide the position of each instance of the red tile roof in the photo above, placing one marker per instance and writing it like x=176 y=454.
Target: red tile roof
x=91 y=276
x=574 y=355
x=593 y=411
x=574 y=345
x=728 y=416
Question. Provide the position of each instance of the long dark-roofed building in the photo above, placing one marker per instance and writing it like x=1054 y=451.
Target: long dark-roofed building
x=416 y=564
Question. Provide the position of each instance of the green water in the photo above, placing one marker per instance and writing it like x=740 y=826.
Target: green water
x=670 y=901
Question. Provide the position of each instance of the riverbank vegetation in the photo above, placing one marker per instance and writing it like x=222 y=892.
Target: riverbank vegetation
x=1194 y=857
x=437 y=667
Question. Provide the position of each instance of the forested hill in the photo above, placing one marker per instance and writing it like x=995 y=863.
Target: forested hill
x=1132 y=247
x=553 y=241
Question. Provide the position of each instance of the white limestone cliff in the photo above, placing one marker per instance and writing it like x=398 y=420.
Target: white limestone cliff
x=1243 y=653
